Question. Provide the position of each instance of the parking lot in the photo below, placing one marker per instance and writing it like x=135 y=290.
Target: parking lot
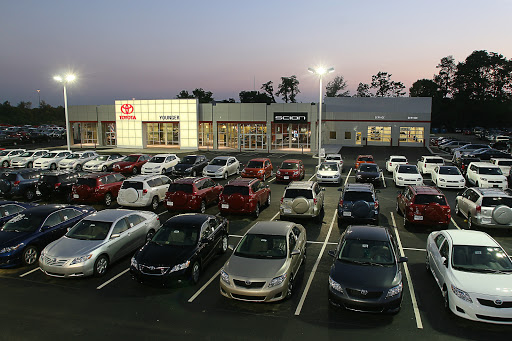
x=115 y=306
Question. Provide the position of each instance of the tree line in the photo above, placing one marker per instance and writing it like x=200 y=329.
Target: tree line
x=23 y=113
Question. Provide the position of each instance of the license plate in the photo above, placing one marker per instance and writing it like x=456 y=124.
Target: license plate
x=496 y=186
x=347 y=213
x=418 y=217
x=287 y=210
x=224 y=206
x=169 y=203
x=76 y=196
x=286 y=177
x=38 y=192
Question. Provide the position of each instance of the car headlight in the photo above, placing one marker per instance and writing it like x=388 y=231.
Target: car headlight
x=220 y=170
x=483 y=179
x=441 y=179
x=133 y=262
x=278 y=172
x=81 y=259
x=336 y=175
x=277 y=280
x=461 y=294
x=260 y=171
x=395 y=290
x=335 y=285
x=188 y=169
x=400 y=178
x=462 y=180
x=181 y=266
x=11 y=248
x=419 y=179
x=224 y=276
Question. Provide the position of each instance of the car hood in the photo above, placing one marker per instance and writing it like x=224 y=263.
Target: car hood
x=408 y=175
x=10 y=238
x=124 y=163
x=183 y=166
x=492 y=177
x=254 y=170
x=19 y=158
x=368 y=174
x=68 y=247
x=357 y=276
x=151 y=165
x=213 y=168
x=93 y=163
x=163 y=255
x=483 y=283
x=327 y=173
x=254 y=267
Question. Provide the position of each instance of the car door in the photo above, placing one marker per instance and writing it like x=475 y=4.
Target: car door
x=163 y=187
x=139 y=229
x=292 y=245
x=230 y=165
x=435 y=256
x=115 y=186
x=121 y=241
x=301 y=239
x=51 y=228
x=207 y=241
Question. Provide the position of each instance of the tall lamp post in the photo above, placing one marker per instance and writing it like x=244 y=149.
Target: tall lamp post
x=320 y=71
x=65 y=80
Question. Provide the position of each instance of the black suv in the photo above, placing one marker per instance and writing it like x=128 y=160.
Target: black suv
x=57 y=183
x=190 y=165
x=18 y=182
x=358 y=202
x=464 y=162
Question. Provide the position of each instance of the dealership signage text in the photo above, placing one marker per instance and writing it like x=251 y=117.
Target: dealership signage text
x=291 y=117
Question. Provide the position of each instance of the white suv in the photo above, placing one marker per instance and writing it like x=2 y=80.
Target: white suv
x=27 y=159
x=393 y=161
x=143 y=191
x=504 y=164
x=426 y=164
x=51 y=160
x=77 y=160
x=485 y=175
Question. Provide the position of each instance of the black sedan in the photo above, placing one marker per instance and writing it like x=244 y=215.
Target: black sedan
x=487 y=154
x=369 y=172
x=25 y=235
x=182 y=247
x=190 y=165
x=57 y=183
x=365 y=275
x=9 y=209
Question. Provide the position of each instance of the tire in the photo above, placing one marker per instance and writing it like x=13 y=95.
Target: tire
x=202 y=207
x=150 y=235
x=225 y=176
x=78 y=167
x=101 y=266
x=104 y=169
x=257 y=211
x=196 y=273
x=108 y=199
x=30 y=164
x=154 y=203
x=267 y=203
x=5 y=164
x=457 y=210
x=135 y=171
x=30 y=194
x=163 y=171
x=224 y=244
x=53 y=166
x=30 y=255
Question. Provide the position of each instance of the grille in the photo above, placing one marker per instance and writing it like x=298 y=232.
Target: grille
x=153 y=270
x=371 y=295
x=361 y=307
x=54 y=261
x=494 y=318
x=494 y=182
x=490 y=303
x=248 y=298
x=252 y=285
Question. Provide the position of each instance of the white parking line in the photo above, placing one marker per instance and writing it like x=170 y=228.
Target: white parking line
x=29 y=272
x=112 y=279
x=417 y=315
x=315 y=242
x=164 y=212
x=348 y=176
x=383 y=180
x=312 y=176
x=454 y=223
x=304 y=294
x=198 y=292
x=413 y=249
x=270 y=180
x=275 y=216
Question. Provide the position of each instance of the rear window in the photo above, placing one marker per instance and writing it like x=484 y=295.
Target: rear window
x=132 y=184
x=425 y=199
x=86 y=182
x=398 y=159
x=187 y=188
x=365 y=158
x=496 y=201
x=294 y=193
x=228 y=190
x=434 y=161
x=358 y=196
x=50 y=179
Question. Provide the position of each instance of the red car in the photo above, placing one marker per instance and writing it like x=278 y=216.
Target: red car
x=423 y=205
x=260 y=168
x=192 y=194
x=291 y=170
x=97 y=187
x=244 y=196
x=363 y=159
x=131 y=164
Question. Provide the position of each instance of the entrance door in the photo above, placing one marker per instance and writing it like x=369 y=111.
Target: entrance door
x=358 y=138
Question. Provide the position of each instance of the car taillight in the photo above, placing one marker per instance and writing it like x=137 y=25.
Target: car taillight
x=341 y=202
x=478 y=209
x=376 y=204
x=314 y=201
x=144 y=191
x=390 y=164
x=16 y=183
x=57 y=185
x=282 y=199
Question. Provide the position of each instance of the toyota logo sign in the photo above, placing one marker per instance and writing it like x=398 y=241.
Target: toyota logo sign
x=127 y=109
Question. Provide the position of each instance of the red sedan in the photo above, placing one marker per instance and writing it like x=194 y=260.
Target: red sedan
x=131 y=164
x=192 y=194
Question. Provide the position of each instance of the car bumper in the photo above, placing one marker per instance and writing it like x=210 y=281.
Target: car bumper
x=281 y=177
x=244 y=209
x=92 y=169
x=190 y=205
x=409 y=182
x=458 y=185
x=149 y=172
x=68 y=271
x=159 y=279
x=19 y=165
x=477 y=312
x=328 y=180
x=422 y=220
x=257 y=176
x=263 y=294
x=502 y=185
x=39 y=166
x=344 y=215
x=369 y=180
x=10 y=260
x=67 y=167
x=311 y=213
x=213 y=174
x=488 y=222
x=391 y=304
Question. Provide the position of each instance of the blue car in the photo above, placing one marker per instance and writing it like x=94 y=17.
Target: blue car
x=23 y=237
x=9 y=209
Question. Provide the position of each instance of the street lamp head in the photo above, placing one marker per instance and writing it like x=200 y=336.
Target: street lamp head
x=70 y=78
x=321 y=70
x=58 y=78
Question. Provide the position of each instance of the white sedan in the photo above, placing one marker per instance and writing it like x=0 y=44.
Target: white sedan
x=473 y=273
x=160 y=164
x=448 y=177
x=404 y=175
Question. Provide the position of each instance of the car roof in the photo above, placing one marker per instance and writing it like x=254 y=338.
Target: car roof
x=426 y=190
x=367 y=232
x=359 y=187
x=432 y=157
x=21 y=171
x=465 y=237
x=164 y=155
x=143 y=177
x=260 y=159
x=58 y=172
x=278 y=228
x=301 y=184
x=491 y=192
x=222 y=157
x=364 y=155
x=95 y=175
x=241 y=182
x=189 y=180
x=333 y=155
x=293 y=160
x=46 y=209
x=109 y=215
x=397 y=156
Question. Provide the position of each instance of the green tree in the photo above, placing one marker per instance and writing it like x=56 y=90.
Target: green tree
x=288 y=89
x=338 y=84
x=184 y=95
x=363 y=90
x=444 y=79
x=254 y=97
x=203 y=96
x=397 y=89
x=385 y=86
x=424 y=88
x=268 y=88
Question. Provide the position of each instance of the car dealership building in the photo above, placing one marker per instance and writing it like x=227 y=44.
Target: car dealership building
x=186 y=124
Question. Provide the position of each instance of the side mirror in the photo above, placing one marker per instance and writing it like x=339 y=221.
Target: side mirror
x=322 y=189
x=231 y=247
x=331 y=253
x=445 y=261
x=402 y=259
x=295 y=252
x=115 y=235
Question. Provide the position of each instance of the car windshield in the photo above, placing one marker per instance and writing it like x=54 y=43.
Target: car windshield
x=50 y=156
x=408 y=169
x=89 y=182
x=255 y=164
x=425 y=199
x=262 y=246
x=496 y=201
x=177 y=187
x=24 y=222
x=101 y=158
x=396 y=159
x=26 y=154
x=289 y=165
x=218 y=162
x=177 y=235
x=4 y=153
x=368 y=168
x=131 y=158
x=449 y=171
x=480 y=259
x=243 y=190
x=292 y=193
x=188 y=160
x=490 y=171
x=7 y=210
x=73 y=156
x=358 y=196
x=137 y=185
x=157 y=159
x=328 y=167
x=365 y=158
x=366 y=252
x=434 y=161
x=89 y=230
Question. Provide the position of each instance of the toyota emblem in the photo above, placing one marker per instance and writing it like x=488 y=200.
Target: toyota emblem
x=364 y=292
x=498 y=302
x=151 y=267
x=247 y=282
x=127 y=109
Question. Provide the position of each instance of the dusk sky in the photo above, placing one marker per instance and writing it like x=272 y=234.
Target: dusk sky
x=154 y=49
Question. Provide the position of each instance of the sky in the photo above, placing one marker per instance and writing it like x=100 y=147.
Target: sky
x=154 y=49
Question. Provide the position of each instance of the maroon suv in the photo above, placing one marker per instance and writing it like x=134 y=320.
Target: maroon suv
x=192 y=194
x=131 y=164
x=423 y=205
x=97 y=187
x=244 y=196
x=291 y=170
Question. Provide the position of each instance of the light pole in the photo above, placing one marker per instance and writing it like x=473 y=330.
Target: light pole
x=67 y=79
x=39 y=97
x=320 y=71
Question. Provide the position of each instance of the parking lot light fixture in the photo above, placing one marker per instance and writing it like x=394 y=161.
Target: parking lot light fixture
x=69 y=78
x=320 y=71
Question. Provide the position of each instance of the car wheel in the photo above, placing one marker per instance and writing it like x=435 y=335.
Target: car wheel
x=53 y=166
x=196 y=272
x=29 y=255
x=154 y=203
x=194 y=173
x=30 y=164
x=5 y=164
x=289 y=291
x=104 y=168
x=108 y=199
x=257 y=211
x=135 y=170
x=427 y=263
x=163 y=171
x=457 y=209
x=150 y=235
x=268 y=200
x=224 y=244
x=78 y=167
x=100 y=266
x=225 y=176
x=202 y=208
x=30 y=194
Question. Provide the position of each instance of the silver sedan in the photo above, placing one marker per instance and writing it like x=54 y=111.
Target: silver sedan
x=222 y=167
x=95 y=242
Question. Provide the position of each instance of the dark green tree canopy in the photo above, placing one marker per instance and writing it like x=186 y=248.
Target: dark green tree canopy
x=254 y=97
x=423 y=88
x=385 y=87
x=363 y=90
x=202 y=95
x=444 y=79
x=288 y=89
x=268 y=88
x=336 y=87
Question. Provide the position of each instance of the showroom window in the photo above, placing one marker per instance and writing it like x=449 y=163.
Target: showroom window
x=379 y=134
x=412 y=134
x=291 y=136
x=109 y=130
x=163 y=134
x=332 y=135
x=227 y=134
x=206 y=134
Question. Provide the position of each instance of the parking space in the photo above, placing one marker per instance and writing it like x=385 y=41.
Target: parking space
x=200 y=311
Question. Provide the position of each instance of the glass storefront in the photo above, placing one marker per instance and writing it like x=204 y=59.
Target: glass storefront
x=380 y=134
x=412 y=134
x=85 y=133
x=291 y=136
x=227 y=135
x=162 y=134
x=254 y=136
x=109 y=133
x=205 y=135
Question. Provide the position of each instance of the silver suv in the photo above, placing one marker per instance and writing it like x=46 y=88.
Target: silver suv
x=302 y=199
x=485 y=207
